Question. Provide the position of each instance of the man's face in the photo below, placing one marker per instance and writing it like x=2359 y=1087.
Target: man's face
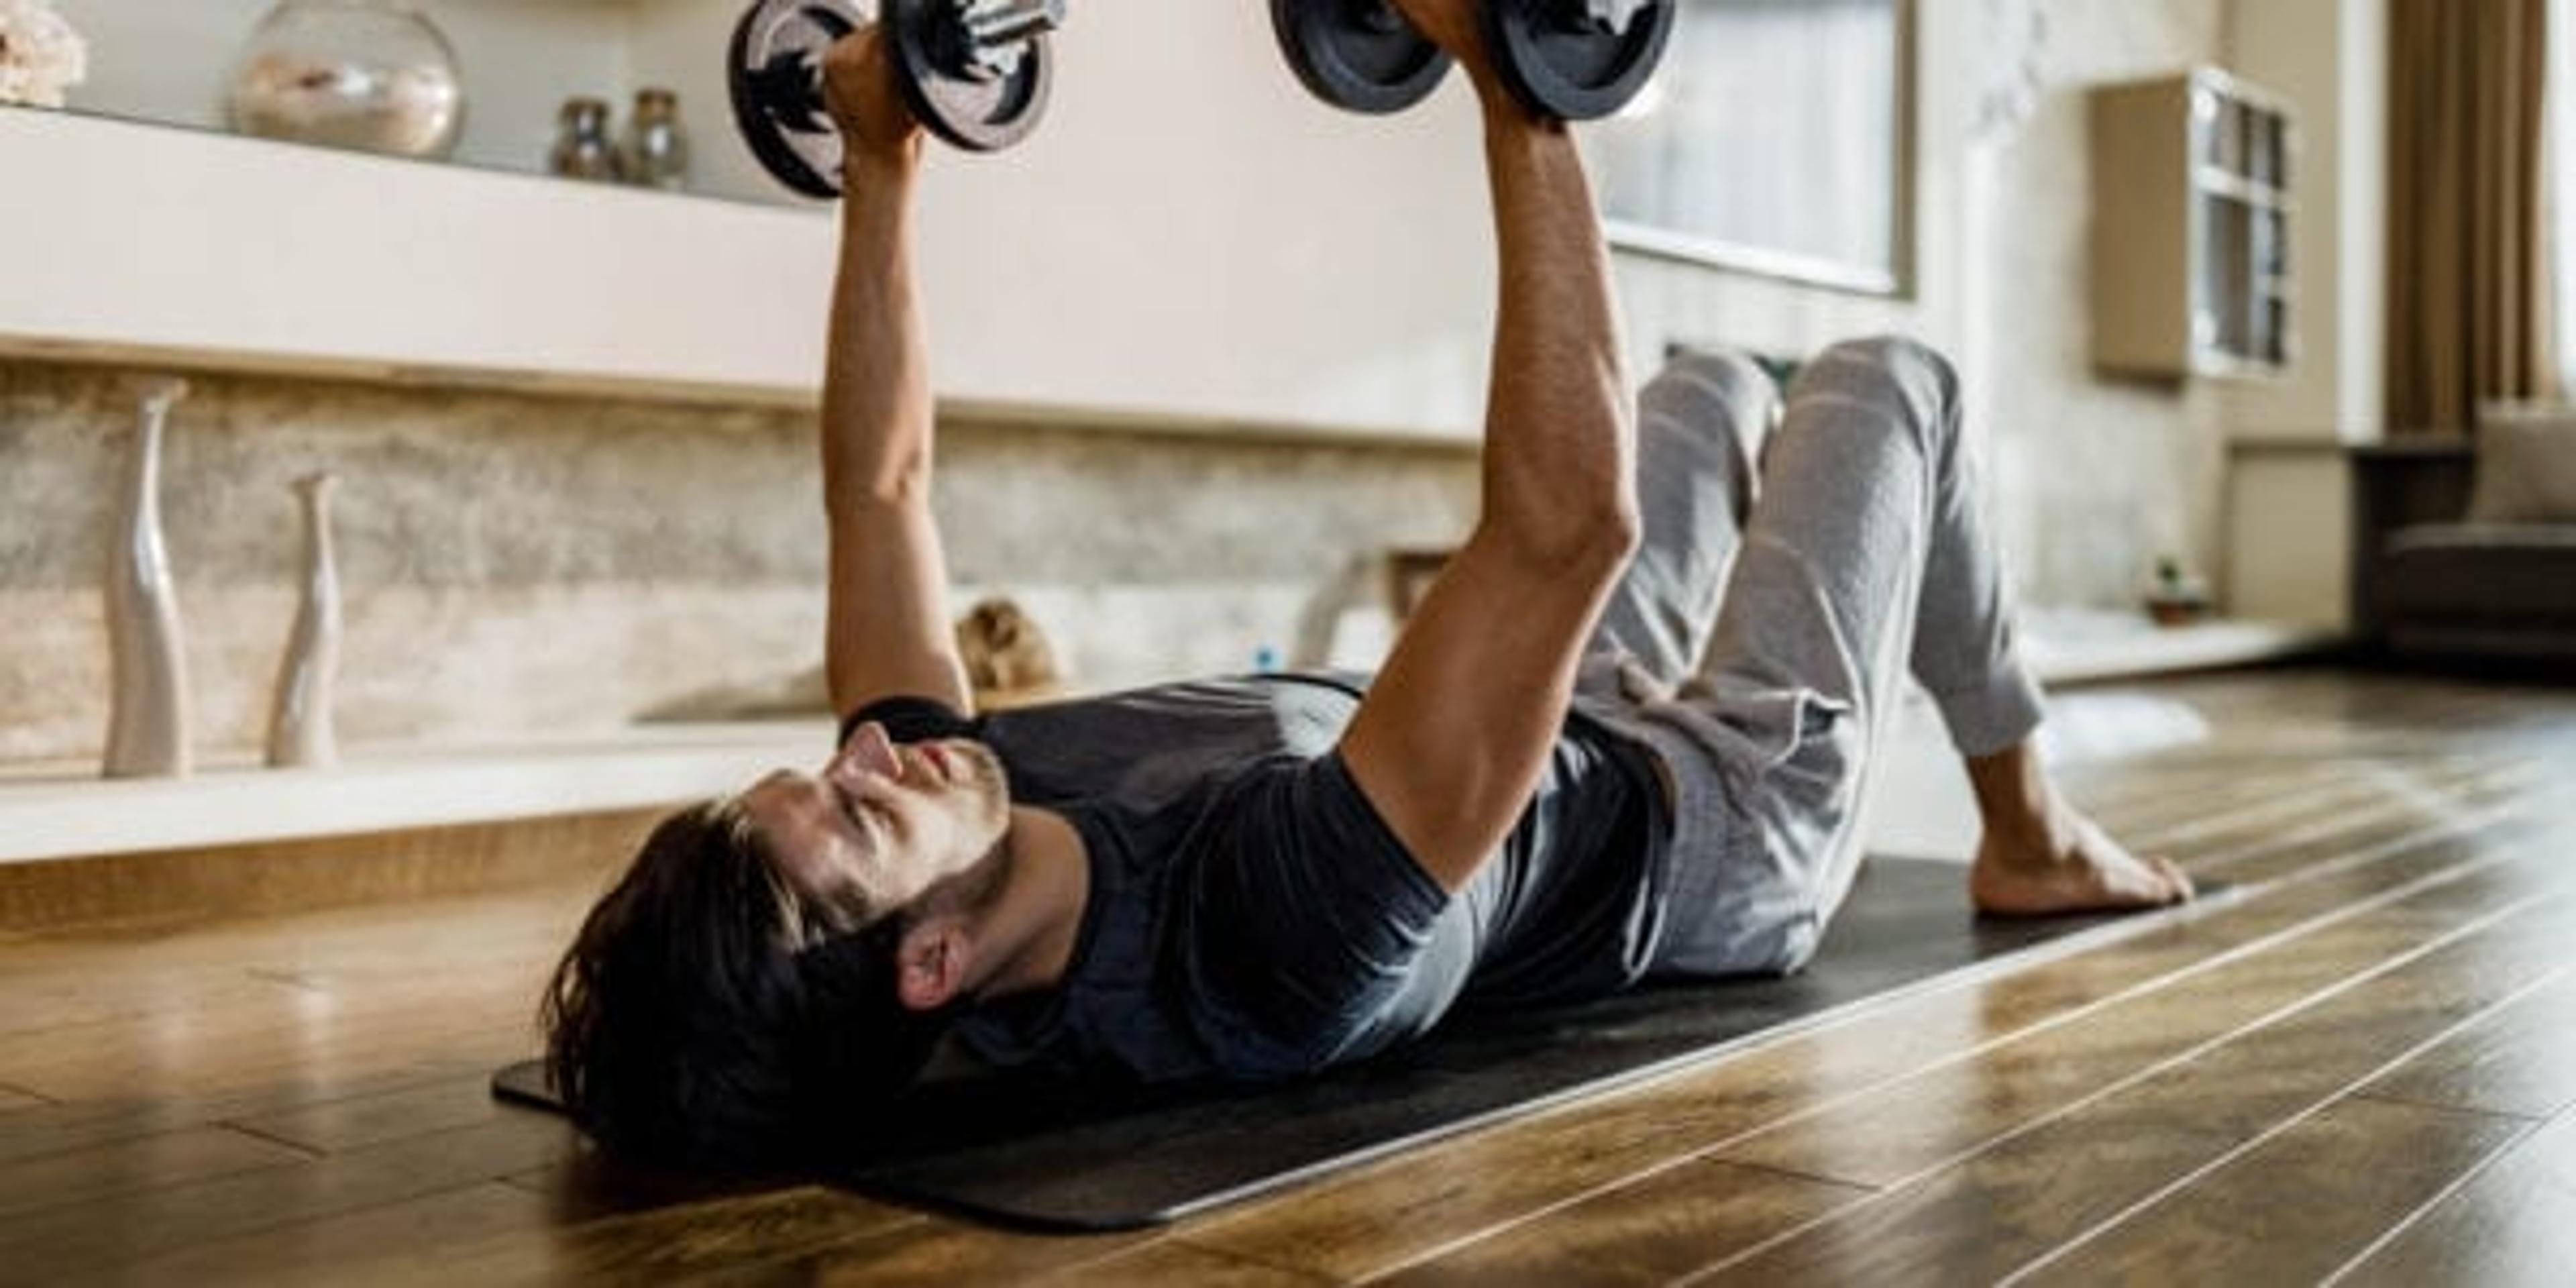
x=880 y=824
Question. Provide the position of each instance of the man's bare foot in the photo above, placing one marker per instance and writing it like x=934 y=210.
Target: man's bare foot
x=2066 y=864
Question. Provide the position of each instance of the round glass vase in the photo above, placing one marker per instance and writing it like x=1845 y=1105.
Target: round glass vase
x=369 y=75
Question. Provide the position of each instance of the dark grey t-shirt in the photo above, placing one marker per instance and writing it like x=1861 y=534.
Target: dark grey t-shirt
x=1251 y=916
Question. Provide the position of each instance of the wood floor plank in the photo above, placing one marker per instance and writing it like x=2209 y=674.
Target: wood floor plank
x=1391 y=1213
x=289 y=876
x=2265 y=811
x=400 y=1242
x=1950 y=1108
x=1177 y=1263
x=35 y=1005
x=337 y=993
x=79 y=1242
x=2508 y=1227
x=2297 y=1206
x=54 y=1127
x=210 y=1055
x=1953 y=1108
x=170 y=1158
x=751 y=1237
x=451 y=928
x=1666 y=1226
x=2521 y=1060
x=2464 y=805
x=588 y=1184
x=2252 y=811
x=339 y=1125
x=2019 y=1199
x=2132 y=796
x=14 y=1098
x=942 y=1252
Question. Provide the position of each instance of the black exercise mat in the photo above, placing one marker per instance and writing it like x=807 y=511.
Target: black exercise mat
x=1054 y=1157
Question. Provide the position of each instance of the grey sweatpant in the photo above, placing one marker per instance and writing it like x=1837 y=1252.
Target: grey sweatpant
x=1760 y=641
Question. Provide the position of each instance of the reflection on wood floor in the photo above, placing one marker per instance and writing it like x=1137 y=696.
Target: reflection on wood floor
x=2361 y=1064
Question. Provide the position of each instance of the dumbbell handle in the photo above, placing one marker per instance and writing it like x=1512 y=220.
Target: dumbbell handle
x=1004 y=22
x=1613 y=16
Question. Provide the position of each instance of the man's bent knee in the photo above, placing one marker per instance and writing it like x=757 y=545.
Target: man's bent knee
x=1714 y=391
x=1904 y=377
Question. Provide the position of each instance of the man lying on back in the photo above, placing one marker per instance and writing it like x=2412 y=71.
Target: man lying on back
x=1624 y=736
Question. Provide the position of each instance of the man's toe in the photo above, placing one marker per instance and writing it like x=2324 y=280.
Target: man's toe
x=2178 y=884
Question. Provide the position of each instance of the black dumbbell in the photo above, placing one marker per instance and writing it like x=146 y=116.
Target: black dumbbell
x=1573 y=60
x=977 y=73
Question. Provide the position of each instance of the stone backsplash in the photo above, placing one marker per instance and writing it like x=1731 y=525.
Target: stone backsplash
x=523 y=567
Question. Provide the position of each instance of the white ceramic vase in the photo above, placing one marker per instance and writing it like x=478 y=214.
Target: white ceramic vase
x=300 y=722
x=147 y=731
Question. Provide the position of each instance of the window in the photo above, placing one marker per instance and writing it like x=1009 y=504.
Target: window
x=1776 y=139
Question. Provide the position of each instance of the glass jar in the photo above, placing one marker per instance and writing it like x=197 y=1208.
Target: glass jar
x=372 y=75
x=654 y=151
x=582 y=149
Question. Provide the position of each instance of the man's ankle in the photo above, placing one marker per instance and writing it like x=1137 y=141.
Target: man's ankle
x=2017 y=803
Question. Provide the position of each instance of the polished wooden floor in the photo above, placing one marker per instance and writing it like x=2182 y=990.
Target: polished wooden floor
x=2358 y=1066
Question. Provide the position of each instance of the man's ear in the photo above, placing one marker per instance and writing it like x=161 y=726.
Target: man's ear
x=930 y=963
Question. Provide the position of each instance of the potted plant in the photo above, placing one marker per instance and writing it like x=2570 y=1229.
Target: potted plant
x=2177 y=597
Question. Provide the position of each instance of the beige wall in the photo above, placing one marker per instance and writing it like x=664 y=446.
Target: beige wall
x=2289 y=552
x=2328 y=59
x=2096 y=477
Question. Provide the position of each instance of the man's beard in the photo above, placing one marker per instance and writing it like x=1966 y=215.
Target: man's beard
x=987 y=784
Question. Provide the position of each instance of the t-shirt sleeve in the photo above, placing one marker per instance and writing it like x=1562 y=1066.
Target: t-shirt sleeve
x=910 y=720
x=1305 y=925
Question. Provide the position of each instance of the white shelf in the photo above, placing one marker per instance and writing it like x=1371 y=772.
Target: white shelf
x=2075 y=646
x=1134 y=258
x=144 y=240
x=63 y=813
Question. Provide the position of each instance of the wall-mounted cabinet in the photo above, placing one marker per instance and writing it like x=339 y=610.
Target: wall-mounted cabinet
x=2192 y=256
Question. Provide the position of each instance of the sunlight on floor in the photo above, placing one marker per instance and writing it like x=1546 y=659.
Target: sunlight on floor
x=1922 y=807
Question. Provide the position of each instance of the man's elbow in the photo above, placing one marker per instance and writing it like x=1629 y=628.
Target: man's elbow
x=1591 y=544
x=1617 y=533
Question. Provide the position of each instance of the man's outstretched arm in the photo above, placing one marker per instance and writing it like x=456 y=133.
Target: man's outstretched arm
x=1454 y=735
x=888 y=634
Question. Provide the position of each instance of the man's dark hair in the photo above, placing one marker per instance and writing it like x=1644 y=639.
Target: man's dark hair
x=706 y=1015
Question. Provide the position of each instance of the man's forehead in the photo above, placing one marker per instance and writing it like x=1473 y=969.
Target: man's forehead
x=796 y=829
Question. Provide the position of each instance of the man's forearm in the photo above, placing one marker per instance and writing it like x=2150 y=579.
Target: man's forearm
x=1558 y=438
x=1461 y=723
x=877 y=404
x=888 y=631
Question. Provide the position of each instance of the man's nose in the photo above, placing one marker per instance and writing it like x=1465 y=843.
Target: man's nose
x=869 y=751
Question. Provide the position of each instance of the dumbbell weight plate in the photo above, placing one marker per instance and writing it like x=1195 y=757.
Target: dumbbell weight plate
x=1358 y=54
x=1560 y=66
x=979 y=114
x=775 y=72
